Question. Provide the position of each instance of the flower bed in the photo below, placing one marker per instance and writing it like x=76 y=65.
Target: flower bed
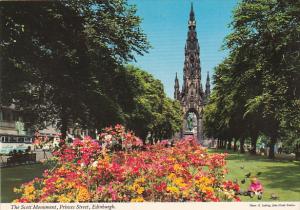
x=119 y=168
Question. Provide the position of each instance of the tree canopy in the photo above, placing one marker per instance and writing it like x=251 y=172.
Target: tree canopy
x=257 y=87
x=59 y=58
x=150 y=111
x=63 y=63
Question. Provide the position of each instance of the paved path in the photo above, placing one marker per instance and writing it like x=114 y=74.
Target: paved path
x=41 y=155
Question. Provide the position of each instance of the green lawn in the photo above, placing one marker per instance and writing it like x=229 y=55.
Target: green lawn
x=14 y=176
x=281 y=177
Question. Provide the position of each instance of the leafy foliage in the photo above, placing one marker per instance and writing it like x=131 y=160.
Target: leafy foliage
x=59 y=57
x=256 y=89
x=67 y=67
x=150 y=111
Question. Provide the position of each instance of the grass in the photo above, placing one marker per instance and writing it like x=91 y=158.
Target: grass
x=281 y=177
x=12 y=177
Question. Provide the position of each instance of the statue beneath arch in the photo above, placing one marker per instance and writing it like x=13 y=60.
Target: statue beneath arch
x=190 y=121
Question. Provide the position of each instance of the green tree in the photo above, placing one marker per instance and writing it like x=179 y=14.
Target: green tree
x=271 y=30
x=150 y=110
x=262 y=92
x=59 y=59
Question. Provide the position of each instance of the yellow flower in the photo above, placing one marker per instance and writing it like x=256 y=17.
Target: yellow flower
x=185 y=193
x=203 y=181
x=30 y=197
x=138 y=199
x=171 y=159
x=59 y=183
x=70 y=185
x=106 y=157
x=207 y=189
x=135 y=186
x=140 y=180
x=29 y=189
x=177 y=167
x=63 y=199
x=140 y=190
x=171 y=176
x=173 y=189
x=178 y=181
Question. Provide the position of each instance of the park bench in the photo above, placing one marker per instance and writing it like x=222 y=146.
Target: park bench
x=17 y=159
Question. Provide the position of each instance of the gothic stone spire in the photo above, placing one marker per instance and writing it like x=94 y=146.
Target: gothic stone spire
x=192 y=14
x=176 y=88
x=192 y=71
x=207 y=86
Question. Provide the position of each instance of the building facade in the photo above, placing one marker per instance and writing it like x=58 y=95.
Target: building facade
x=10 y=121
x=192 y=96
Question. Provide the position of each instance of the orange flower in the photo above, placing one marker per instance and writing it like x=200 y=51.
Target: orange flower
x=83 y=194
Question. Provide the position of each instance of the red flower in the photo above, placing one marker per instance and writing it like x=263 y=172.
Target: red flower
x=161 y=187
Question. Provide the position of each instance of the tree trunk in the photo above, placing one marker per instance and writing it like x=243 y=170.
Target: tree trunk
x=221 y=144
x=224 y=144
x=242 y=141
x=253 y=144
x=297 y=157
x=64 y=124
x=297 y=152
x=234 y=145
x=229 y=144
x=151 y=138
x=63 y=130
x=272 y=146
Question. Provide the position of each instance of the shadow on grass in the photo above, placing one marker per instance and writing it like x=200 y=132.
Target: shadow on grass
x=284 y=177
x=15 y=176
x=246 y=156
x=276 y=174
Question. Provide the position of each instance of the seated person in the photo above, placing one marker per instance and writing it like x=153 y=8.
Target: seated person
x=255 y=188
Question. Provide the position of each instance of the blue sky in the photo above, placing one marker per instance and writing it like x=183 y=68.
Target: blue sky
x=165 y=24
